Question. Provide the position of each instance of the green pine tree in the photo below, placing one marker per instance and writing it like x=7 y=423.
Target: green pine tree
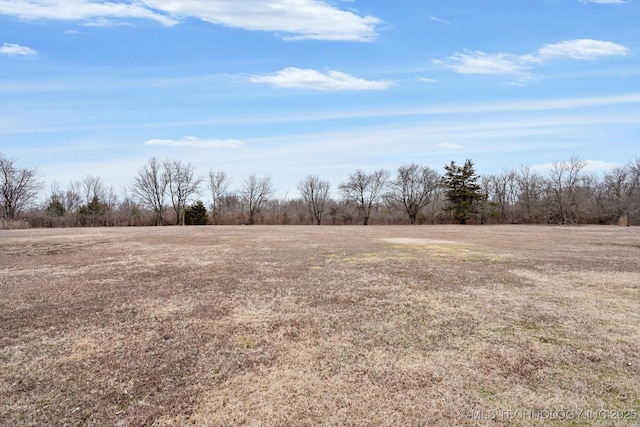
x=464 y=193
x=196 y=214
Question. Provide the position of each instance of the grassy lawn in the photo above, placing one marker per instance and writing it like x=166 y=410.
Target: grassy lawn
x=297 y=325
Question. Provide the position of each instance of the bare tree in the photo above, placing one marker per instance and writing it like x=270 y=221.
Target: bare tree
x=72 y=198
x=530 y=192
x=564 y=181
x=364 y=190
x=620 y=191
x=255 y=193
x=93 y=188
x=19 y=187
x=150 y=186
x=315 y=193
x=233 y=206
x=413 y=189
x=502 y=190
x=218 y=183
x=182 y=184
x=634 y=210
x=112 y=200
x=129 y=210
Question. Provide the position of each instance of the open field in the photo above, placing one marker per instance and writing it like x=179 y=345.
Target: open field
x=320 y=325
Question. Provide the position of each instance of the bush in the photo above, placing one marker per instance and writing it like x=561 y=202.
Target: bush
x=55 y=209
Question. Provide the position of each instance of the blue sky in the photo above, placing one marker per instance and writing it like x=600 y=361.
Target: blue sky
x=288 y=88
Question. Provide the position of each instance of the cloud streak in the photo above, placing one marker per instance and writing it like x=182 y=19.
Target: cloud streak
x=439 y=20
x=590 y=166
x=79 y=10
x=194 y=142
x=301 y=19
x=297 y=78
x=450 y=146
x=584 y=49
x=552 y=104
x=604 y=1
x=478 y=62
x=13 y=49
x=295 y=20
x=484 y=63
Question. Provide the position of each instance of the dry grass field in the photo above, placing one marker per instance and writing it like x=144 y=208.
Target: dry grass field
x=217 y=326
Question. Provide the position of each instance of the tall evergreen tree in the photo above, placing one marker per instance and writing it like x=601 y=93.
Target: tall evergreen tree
x=196 y=214
x=464 y=193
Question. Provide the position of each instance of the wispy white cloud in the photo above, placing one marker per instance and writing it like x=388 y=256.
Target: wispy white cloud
x=194 y=142
x=297 y=78
x=590 y=166
x=445 y=138
x=583 y=49
x=478 y=62
x=295 y=20
x=102 y=22
x=300 y=19
x=450 y=146
x=531 y=106
x=599 y=165
x=604 y=1
x=13 y=49
x=80 y=10
x=484 y=63
x=439 y=20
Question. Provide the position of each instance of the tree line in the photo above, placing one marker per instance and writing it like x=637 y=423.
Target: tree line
x=170 y=192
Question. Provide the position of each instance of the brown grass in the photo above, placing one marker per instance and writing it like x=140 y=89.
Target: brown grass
x=320 y=325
